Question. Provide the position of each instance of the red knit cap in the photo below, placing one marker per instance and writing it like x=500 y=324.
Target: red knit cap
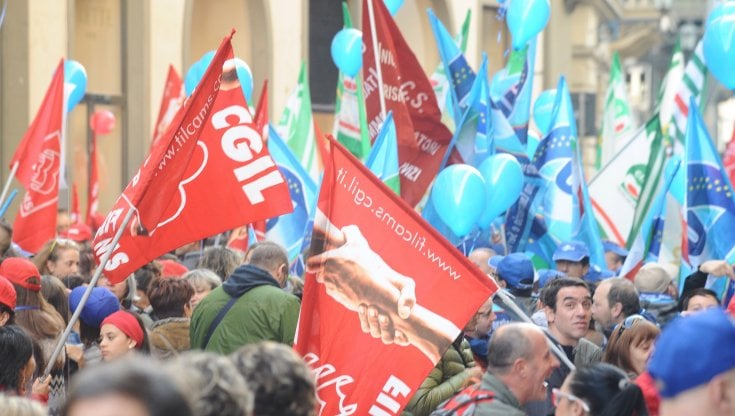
x=20 y=271
x=7 y=293
x=126 y=322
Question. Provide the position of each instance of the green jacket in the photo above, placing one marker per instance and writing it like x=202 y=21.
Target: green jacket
x=262 y=312
x=445 y=380
x=504 y=404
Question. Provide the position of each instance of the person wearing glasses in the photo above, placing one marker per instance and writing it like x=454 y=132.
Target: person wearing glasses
x=631 y=344
x=598 y=390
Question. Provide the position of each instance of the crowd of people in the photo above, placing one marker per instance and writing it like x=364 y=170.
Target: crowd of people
x=206 y=330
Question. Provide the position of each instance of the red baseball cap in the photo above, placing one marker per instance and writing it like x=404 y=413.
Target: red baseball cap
x=79 y=232
x=7 y=293
x=172 y=268
x=20 y=271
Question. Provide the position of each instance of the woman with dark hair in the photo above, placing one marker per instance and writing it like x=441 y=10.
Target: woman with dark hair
x=599 y=390
x=129 y=386
x=123 y=332
x=56 y=294
x=58 y=257
x=16 y=360
x=631 y=345
x=100 y=304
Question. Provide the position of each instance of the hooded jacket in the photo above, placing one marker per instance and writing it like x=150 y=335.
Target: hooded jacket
x=263 y=311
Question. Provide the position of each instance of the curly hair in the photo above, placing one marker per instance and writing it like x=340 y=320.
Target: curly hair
x=282 y=382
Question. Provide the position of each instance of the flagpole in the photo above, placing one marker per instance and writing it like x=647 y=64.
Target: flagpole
x=13 y=171
x=508 y=301
x=376 y=52
x=97 y=273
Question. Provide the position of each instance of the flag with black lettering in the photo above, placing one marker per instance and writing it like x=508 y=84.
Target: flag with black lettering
x=211 y=172
x=376 y=287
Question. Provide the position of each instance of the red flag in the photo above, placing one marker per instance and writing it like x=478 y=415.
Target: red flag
x=93 y=184
x=261 y=112
x=422 y=138
x=381 y=254
x=75 y=216
x=38 y=157
x=173 y=96
x=728 y=160
x=210 y=173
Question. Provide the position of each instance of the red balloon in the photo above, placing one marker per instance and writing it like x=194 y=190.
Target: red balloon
x=102 y=121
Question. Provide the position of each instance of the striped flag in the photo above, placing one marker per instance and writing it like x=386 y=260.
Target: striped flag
x=669 y=86
x=616 y=189
x=350 y=119
x=691 y=87
x=297 y=127
x=617 y=118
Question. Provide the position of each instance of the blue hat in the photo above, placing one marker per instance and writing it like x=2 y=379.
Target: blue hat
x=100 y=305
x=596 y=274
x=547 y=275
x=571 y=251
x=692 y=350
x=608 y=245
x=494 y=261
x=517 y=270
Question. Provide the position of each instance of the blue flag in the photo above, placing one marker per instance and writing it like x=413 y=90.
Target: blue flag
x=710 y=207
x=288 y=230
x=383 y=157
x=472 y=138
x=460 y=74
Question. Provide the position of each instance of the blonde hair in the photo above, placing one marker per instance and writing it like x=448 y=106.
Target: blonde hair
x=51 y=251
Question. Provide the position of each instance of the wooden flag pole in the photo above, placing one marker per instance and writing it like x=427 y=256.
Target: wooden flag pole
x=97 y=273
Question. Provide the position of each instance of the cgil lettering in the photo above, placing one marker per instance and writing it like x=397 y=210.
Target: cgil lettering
x=242 y=143
x=386 y=403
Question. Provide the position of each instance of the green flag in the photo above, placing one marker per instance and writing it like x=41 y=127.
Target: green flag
x=617 y=118
x=297 y=127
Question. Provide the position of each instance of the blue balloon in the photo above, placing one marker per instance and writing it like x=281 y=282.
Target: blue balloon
x=719 y=43
x=458 y=195
x=543 y=109
x=347 y=51
x=432 y=217
x=503 y=177
x=526 y=19
x=393 y=6
x=196 y=72
x=76 y=77
x=246 y=78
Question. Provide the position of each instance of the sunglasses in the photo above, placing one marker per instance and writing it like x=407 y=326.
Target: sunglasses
x=557 y=395
x=629 y=322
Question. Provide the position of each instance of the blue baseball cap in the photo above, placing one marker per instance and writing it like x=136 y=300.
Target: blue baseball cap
x=547 y=275
x=494 y=261
x=608 y=245
x=517 y=270
x=100 y=305
x=595 y=274
x=692 y=350
x=571 y=251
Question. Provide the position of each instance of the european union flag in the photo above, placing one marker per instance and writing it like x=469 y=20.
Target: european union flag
x=288 y=230
x=709 y=196
x=459 y=71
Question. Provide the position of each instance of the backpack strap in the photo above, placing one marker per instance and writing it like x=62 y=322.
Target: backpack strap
x=458 y=404
x=218 y=319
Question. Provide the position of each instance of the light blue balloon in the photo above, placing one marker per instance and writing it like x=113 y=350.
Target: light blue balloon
x=719 y=43
x=542 y=110
x=246 y=78
x=526 y=19
x=503 y=177
x=196 y=72
x=459 y=198
x=432 y=217
x=393 y=6
x=347 y=51
x=75 y=76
